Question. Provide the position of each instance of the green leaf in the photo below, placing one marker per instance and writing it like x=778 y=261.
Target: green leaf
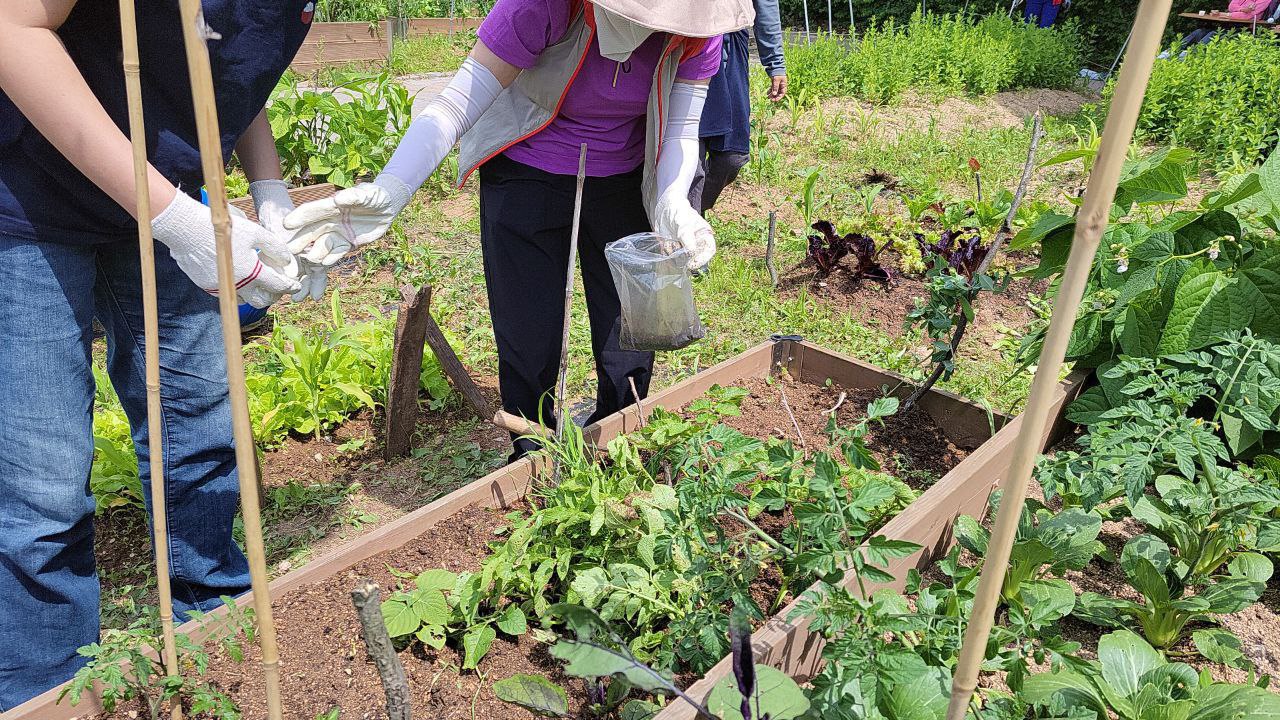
x=475 y=645
x=1204 y=308
x=1140 y=334
x=1044 y=224
x=777 y=696
x=1085 y=335
x=1233 y=702
x=437 y=579
x=399 y=617
x=922 y=697
x=1088 y=408
x=640 y=710
x=1260 y=281
x=971 y=535
x=1125 y=658
x=1269 y=179
x=1071 y=689
x=1221 y=646
x=1251 y=566
x=1047 y=600
x=430 y=607
x=512 y=621
x=533 y=692
x=433 y=636
x=591 y=585
x=586 y=659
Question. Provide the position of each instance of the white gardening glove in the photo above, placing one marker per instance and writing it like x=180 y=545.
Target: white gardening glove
x=676 y=219
x=673 y=216
x=263 y=266
x=272 y=202
x=324 y=231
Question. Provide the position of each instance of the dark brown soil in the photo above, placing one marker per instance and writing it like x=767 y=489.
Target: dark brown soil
x=911 y=446
x=886 y=307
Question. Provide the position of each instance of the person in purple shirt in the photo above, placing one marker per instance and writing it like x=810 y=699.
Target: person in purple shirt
x=626 y=77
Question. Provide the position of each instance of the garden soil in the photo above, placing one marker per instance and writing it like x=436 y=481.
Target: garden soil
x=1000 y=315
x=323 y=660
x=909 y=446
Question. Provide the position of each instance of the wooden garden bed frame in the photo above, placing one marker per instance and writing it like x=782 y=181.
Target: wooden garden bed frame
x=337 y=44
x=782 y=644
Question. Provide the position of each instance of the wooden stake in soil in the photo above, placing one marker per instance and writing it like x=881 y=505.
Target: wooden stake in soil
x=195 y=33
x=1116 y=136
x=1001 y=237
x=151 y=334
x=562 y=413
x=376 y=640
x=768 y=248
x=406 y=369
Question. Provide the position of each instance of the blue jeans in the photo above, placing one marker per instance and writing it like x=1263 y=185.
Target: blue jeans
x=49 y=594
x=1042 y=12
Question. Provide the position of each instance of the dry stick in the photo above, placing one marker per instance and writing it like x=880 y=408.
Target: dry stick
x=195 y=32
x=639 y=403
x=1002 y=236
x=768 y=248
x=839 y=401
x=561 y=410
x=787 y=406
x=151 y=333
x=1116 y=136
x=376 y=640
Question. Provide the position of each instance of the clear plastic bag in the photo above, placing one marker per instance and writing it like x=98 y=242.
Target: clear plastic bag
x=656 y=292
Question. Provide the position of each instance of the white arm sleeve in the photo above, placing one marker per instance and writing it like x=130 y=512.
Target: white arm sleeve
x=439 y=126
x=678 y=156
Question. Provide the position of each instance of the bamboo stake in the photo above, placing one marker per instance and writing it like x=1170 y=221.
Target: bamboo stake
x=561 y=411
x=151 y=334
x=1148 y=27
x=195 y=32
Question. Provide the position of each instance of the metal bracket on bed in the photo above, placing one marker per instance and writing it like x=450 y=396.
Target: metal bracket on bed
x=784 y=352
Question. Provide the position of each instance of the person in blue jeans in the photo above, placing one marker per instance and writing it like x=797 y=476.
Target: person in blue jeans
x=725 y=129
x=1042 y=13
x=69 y=253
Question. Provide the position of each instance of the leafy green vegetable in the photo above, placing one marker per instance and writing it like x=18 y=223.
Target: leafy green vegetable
x=533 y=692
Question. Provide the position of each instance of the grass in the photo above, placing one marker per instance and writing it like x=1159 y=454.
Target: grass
x=431 y=53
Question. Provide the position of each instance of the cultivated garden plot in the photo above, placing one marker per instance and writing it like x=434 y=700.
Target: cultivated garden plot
x=1142 y=584
x=750 y=518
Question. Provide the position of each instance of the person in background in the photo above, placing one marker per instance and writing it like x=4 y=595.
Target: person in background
x=625 y=77
x=69 y=254
x=725 y=133
x=1042 y=13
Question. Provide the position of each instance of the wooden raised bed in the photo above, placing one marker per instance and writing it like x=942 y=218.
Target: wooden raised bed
x=927 y=521
x=334 y=44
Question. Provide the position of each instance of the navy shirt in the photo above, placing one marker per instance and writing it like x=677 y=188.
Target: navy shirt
x=43 y=196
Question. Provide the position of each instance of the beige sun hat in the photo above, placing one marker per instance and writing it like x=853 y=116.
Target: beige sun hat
x=689 y=18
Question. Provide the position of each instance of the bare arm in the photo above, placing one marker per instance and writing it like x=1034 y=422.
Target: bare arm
x=504 y=71
x=39 y=77
x=257 y=151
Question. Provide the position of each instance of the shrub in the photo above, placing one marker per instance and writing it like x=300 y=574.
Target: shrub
x=1221 y=99
x=343 y=135
x=939 y=54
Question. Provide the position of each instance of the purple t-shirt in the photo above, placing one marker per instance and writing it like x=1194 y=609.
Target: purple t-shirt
x=607 y=104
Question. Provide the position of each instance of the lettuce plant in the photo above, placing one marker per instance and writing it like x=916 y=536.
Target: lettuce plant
x=1131 y=680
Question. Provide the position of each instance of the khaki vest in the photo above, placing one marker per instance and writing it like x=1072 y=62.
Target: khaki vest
x=533 y=100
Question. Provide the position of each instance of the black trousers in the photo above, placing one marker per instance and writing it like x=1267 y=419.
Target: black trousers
x=526 y=216
x=717 y=169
